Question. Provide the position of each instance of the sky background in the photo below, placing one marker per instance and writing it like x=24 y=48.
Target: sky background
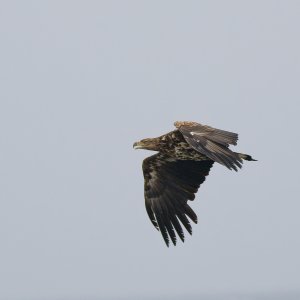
x=80 y=82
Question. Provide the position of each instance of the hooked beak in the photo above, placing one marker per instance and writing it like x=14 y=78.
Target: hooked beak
x=136 y=145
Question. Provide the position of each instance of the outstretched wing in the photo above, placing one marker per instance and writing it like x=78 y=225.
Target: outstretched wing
x=169 y=183
x=211 y=142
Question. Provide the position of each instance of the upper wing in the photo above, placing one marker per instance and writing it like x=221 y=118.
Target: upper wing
x=211 y=142
x=169 y=183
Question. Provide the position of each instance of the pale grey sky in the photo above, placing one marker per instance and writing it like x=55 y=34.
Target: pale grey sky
x=80 y=82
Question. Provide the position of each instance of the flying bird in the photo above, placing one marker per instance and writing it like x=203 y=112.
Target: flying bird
x=174 y=174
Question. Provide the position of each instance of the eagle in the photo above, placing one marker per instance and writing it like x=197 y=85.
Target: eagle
x=174 y=174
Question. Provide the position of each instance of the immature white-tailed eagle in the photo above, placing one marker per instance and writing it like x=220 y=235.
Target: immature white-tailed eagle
x=174 y=174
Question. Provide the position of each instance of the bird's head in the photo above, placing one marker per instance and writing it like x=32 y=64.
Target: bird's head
x=148 y=144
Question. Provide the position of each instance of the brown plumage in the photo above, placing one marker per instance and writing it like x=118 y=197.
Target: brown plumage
x=173 y=175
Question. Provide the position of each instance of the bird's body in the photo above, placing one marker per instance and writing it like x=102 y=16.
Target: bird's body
x=174 y=174
x=174 y=145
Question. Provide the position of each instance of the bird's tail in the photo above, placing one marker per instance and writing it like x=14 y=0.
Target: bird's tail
x=246 y=157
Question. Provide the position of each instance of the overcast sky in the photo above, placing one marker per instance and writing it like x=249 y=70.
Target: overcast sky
x=81 y=81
